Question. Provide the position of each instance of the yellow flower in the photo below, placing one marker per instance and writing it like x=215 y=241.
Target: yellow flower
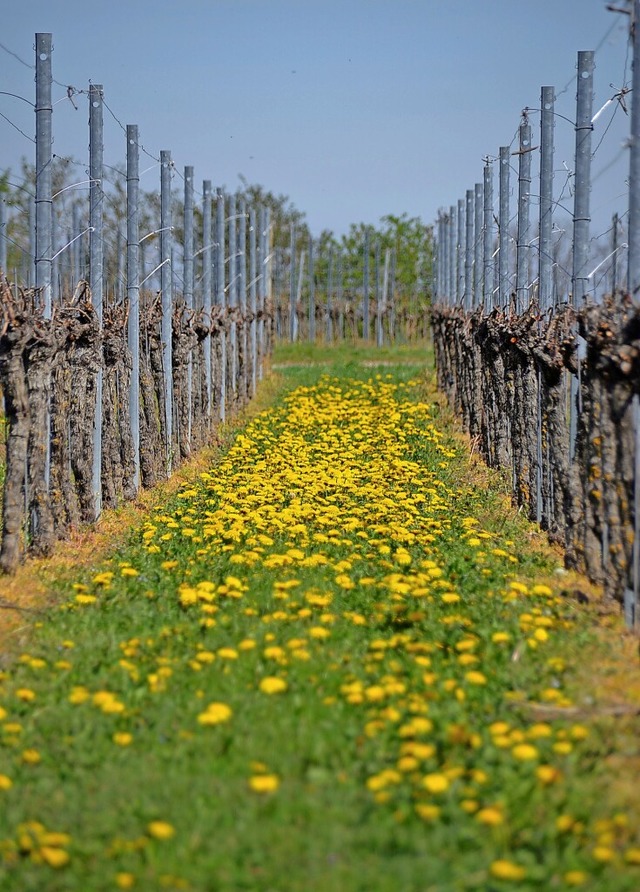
x=449 y=597
x=215 y=714
x=474 y=677
x=603 y=854
x=125 y=880
x=436 y=782
x=547 y=774
x=564 y=823
x=427 y=812
x=264 y=783
x=525 y=752
x=122 y=738
x=539 y=730
x=273 y=685
x=491 y=816
x=5 y=782
x=31 y=757
x=25 y=694
x=85 y=599
x=160 y=830
x=507 y=870
x=228 y=653
x=54 y=857
x=128 y=571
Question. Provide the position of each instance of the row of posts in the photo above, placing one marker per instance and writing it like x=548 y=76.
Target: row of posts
x=467 y=271
x=382 y=292
x=247 y=297
x=467 y=274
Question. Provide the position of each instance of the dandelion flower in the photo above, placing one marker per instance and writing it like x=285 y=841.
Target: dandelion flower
x=215 y=714
x=436 y=782
x=54 y=857
x=507 y=870
x=161 y=830
x=273 y=685
x=264 y=783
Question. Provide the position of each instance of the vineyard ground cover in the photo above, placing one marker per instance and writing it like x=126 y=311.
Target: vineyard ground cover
x=334 y=657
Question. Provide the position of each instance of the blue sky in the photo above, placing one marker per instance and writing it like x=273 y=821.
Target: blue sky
x=353 y=108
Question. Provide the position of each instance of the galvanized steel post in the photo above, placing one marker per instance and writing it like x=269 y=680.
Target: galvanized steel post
x=133 y=290
x=187 y=257
x=633 y=237
x=547 y=124
x=232 y=301
x=96 y=264
x=478 y=269
x=488 y=275
x=292 y=284
x=329 y=305
x=631 y=595
x=582 y=179
x=299 y=288
x=524 y=205
x=221 y=300
x=468 y=251
x=207 y=287
x=503 y=229
x=312 y=295
x=166 y=288
x=451 y=259
x=253 y=297
x=188 y=279
x=460 y=253
x=43 y=202
x=3 y=237
x=242 y=290
x=439 y=254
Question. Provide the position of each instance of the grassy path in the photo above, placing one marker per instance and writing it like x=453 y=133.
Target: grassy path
x=334 y=661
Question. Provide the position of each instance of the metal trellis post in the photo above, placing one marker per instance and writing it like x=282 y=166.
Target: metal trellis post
x=232 y=301
x=487 y=279
x=582 y=180
x=292 y=284
x=3 y=236
x=43 y=248
x=133 y=290
x=524 y=205
x=96 y=263
x=166 y=287
x=504 y=289
x=207 y=287
x=253 y=297
x=221 y=300
x=478 y=245
x=312 y=295
x=468 y=251
x=545 y=269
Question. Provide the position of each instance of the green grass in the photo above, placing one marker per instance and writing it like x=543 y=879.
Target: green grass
x=223 y=588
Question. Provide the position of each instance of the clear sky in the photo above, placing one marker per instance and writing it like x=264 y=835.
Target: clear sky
x=352 y=108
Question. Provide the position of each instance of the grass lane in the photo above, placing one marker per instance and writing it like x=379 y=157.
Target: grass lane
x=332 y=661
